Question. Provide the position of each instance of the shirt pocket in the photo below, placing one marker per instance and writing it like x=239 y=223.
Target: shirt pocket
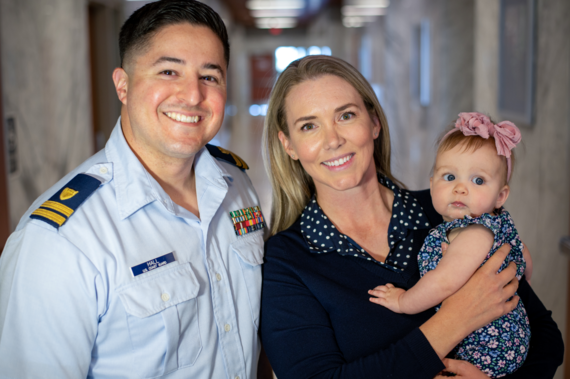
x=249 y=251
x=162 y=317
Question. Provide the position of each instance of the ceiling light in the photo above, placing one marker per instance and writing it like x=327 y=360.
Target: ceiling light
x=276 y=23
x=276 y=13
x=275 y=4
x=368 y=3
x=356 y=21
x=351 y=10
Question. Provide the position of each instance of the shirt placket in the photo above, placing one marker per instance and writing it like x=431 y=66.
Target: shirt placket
x=223 y=303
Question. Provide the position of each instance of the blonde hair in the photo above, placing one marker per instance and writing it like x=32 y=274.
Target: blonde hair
x=471 y=143
x=292 y=186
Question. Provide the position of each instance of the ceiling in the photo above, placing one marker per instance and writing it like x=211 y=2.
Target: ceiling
x=242 y=15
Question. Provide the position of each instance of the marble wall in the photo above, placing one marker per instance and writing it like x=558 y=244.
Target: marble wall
x=415 y=128
x=46 y=90
x=539 y=200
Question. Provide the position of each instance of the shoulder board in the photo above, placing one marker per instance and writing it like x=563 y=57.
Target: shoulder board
x=57 y=210
x=228 y=156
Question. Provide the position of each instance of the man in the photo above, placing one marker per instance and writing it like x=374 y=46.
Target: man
x=145 y=260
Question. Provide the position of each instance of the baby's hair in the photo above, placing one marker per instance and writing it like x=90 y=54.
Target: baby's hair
x=471 y=143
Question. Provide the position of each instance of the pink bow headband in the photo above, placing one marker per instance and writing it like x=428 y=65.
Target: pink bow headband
x=505 y=133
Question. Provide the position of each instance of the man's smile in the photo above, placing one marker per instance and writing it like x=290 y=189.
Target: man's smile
x=182 y=118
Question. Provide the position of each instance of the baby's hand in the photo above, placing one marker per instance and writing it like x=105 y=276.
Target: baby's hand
x=387 y=296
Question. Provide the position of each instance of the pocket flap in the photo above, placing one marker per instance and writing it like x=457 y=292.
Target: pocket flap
x=156 y=293
x=250 y=248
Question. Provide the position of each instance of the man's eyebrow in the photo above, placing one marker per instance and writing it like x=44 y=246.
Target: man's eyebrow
x=213 y=66
x=169 y=59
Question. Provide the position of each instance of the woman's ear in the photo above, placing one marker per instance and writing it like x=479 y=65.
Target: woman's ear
x=377 y=126
x=503 y=196
x=286 y=143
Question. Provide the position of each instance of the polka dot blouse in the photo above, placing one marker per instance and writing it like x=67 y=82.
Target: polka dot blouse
x=407 y=215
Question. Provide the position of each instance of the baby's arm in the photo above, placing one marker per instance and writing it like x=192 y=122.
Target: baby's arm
x=464 y=255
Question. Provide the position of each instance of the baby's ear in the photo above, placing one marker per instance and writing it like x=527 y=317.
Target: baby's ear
x=503 y=196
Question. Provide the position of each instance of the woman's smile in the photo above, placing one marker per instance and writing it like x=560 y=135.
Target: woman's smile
x=339 y=163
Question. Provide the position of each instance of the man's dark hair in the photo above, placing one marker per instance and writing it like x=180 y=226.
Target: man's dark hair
x=146 y=21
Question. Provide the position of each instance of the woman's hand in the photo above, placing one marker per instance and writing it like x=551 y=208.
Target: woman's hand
x=484 y=297
x=528 y=260
x=461 y=369
x=481 y=300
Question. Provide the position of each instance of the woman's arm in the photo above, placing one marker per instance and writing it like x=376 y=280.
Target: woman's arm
x=300 y=340
x=465 y=254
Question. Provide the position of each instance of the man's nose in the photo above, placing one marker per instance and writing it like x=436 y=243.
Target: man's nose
x=191 y=91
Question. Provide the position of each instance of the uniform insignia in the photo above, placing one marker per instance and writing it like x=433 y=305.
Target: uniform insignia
x=228 y=156
x=247 y=220
x=61 y=206
x=67 y=194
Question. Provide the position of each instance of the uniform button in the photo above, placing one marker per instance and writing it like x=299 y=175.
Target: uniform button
x=219 y=277
x=103 y=170
x=165 y=297
x=227 y=327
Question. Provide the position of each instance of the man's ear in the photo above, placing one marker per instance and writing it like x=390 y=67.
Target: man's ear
x=286 y=145
x=121 y=80
x=503 y=196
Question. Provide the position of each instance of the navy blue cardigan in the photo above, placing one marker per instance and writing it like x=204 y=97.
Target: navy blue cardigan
x=317 y=321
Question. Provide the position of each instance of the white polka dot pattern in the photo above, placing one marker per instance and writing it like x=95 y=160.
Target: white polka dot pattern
x=404 y=219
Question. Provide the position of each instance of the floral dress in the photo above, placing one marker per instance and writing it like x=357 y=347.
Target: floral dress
x=501 y=347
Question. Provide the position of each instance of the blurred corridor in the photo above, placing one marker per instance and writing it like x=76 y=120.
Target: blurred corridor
x=427 y=60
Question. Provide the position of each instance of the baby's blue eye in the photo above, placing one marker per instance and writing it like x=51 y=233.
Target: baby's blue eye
x=478 y=181
x=448 y=177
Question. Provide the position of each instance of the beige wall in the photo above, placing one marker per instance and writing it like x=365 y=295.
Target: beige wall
x=540 y=193
x=46 y=88
x=414 y=128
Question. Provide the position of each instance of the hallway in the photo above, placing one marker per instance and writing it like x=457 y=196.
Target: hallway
x=427 y=61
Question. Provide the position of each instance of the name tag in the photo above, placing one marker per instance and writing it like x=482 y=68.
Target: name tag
x=153 y=264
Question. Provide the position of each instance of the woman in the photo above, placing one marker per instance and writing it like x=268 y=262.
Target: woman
x=342 y=225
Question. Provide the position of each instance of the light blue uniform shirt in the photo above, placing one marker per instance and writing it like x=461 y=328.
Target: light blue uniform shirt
x=71 y=308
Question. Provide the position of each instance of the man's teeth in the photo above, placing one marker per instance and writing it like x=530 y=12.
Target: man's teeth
x=182 y=118
x=338 y=162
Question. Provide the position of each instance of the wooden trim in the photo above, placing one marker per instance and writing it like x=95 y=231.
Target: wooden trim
x=4 y=208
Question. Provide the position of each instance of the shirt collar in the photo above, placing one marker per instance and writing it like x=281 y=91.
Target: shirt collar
x=322 y=236
x=136 y=188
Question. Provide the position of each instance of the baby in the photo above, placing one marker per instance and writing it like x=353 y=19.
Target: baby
x=468 y=188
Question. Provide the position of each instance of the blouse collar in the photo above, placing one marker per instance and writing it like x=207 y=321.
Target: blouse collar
x=322 y=236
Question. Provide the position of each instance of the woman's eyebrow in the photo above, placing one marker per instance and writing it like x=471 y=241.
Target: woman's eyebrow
x=343 y=107
x=339 y=109
x=305 y=118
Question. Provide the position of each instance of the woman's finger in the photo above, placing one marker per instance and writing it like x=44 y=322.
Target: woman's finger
x=463 y=369
x=494 y=263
